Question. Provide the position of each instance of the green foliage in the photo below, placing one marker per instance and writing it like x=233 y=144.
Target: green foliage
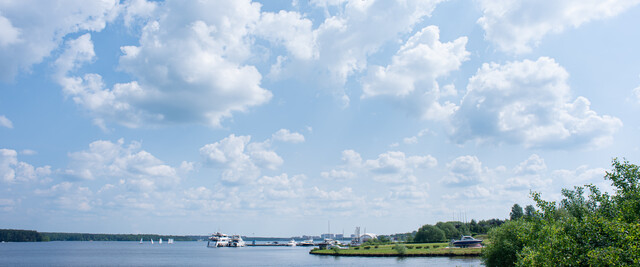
x=401 y=249
x=428 y=234
x=450 y=231
x=11 y=235
x=335 y=249
x=529 y=212
x=597 y=229
x=516 y=212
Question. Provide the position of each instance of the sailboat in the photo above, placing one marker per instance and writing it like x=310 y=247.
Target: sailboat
x=140 y=240
x=151 y=241
x=170 y=241
x=160 y=241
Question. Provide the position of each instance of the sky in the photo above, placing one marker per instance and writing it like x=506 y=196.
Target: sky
x=278 y=118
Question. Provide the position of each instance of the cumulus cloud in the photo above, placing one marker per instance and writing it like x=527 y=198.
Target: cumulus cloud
x=281 y=187
x=411 y=76
x=69 y=196
x=137 y=169
x=465 y=171
x=14 y=171
x=4 y=122
x=636 y=92
x=31 y=30
x=529 y=174
x=529 y=102
x=188 y=68
x=389 y=167
x=240 y=160
x=285 y=135
x=289 y=29
x=516 y=26
x=344 y=40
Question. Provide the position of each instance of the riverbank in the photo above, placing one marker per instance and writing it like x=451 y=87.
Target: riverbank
x=411 y=250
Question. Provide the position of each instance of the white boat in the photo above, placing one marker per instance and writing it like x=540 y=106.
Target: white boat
x=218 y=240
x=152 y=241
x=292 y=243
x=236 y=241
x=307 y=243
x=170 y=241
x=140 y=240
x=160 y=241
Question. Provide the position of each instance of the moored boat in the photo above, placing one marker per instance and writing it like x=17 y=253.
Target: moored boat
x=218 y=240
x=467 y=241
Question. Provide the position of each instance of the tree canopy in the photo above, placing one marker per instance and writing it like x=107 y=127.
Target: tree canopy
x=594 y=230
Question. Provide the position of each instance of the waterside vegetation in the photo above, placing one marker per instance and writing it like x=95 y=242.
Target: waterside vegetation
x=400 y=250
x=587 y=227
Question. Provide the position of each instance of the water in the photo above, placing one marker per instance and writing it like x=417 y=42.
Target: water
x=72 y=253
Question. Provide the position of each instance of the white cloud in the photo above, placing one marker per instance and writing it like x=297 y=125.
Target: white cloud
x=4 y=122
x=636 y=92
x=411 y=76
x=345 y=39
x=529 y=174
x=281 y=187
x=465 y=171
x=188 y=68
x=528 y=102
x=31 y=30
x=138 y=169
x=285 y=135
x=389 y=167
x=338 y=174
x=289 y=29
x=515 y=26
x=240 y=160
x=533 y=165
x=12 y=170
x=68 y=196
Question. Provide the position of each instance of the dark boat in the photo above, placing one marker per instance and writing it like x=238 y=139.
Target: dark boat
x=467 y=241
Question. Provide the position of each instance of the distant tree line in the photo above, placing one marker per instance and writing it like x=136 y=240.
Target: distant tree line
x=587 y=227
x=445 y=231
x=13 y=235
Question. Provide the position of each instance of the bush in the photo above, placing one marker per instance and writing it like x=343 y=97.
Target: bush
x=418 y=247
x=367 y=247
x=436 y=246
x=376 y=246
x=429 y=233
x=401 y=249
x=356 y=248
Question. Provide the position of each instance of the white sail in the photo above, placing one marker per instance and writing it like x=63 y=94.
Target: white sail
x=151 y=240
x=160 y=241
x=140 y=240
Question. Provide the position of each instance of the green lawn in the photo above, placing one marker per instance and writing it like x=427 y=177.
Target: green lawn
x=430 y=249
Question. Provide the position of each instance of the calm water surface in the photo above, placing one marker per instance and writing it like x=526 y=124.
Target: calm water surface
x=72 y=253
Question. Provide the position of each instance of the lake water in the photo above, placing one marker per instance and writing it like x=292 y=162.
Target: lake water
x=70 y=253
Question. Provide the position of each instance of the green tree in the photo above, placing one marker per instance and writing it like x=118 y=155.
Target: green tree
x=529 y=211
x=449 y=229
x=429 y=233
x=516 y=212
x=583 y=229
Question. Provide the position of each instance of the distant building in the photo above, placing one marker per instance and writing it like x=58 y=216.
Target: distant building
x=367 y=236
x=339 y=236
x=327 y=236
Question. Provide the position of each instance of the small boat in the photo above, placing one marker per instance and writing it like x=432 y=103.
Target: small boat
x=292 y=243
x=170 y=241
x=151 y=241
x=140 y=240
x=467 y=241
x=160 y=241
x=307 y=243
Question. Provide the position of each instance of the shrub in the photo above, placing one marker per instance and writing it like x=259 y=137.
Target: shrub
x=367 y=247
x=401 y=249
x=418 y=247
x=356 y=248
x=376 y=246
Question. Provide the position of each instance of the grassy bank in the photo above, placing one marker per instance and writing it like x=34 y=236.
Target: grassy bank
x=412 y=250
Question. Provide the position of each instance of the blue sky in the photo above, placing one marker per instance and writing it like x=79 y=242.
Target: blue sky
x=273 y=118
